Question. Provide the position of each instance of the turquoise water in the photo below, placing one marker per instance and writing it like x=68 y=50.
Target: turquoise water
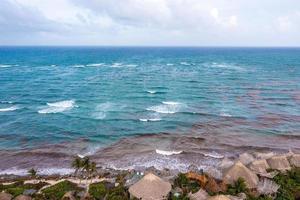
x=52 y=95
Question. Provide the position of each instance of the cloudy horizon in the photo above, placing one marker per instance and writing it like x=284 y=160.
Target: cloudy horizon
x=150 y=22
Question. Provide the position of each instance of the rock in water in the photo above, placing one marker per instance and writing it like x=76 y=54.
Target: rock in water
x=239 y=170
x=23 y=197
x=5 y=196
x=246 y=158
x=219 y=197
x=295 y=160
x=259 y=166
x=150 y=187
x=200 y=195
x=280 y=163
x=267 y=186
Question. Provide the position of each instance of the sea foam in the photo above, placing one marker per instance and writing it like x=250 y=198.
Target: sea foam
x=95 y=65
x=12 y=108
x=167 y=153
x=57 y=107
x=167 y=107
x=151 y=91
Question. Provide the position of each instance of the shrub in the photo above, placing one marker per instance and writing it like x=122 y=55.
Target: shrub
x=15 y=191
x=186 y=184
x=57 y=191
x=289 y=184
x=118 y=193
x=97 y=190
x=237 y=187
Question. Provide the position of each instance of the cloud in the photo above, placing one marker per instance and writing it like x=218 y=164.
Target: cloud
x=150 y=22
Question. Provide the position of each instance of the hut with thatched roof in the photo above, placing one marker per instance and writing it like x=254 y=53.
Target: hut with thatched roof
x=150 y=187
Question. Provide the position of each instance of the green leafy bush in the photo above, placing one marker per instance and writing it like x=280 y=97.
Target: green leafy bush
x=57 y=191
x=118 y=193
x=97 y=190
x=186 y=184
x=289 y=184
x=237 y=187
x=15 y=191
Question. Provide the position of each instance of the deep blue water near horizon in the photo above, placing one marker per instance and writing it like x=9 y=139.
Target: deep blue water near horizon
x=50 y=95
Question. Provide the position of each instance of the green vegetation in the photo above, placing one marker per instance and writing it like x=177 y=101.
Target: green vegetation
x=57 y=191
x=32 y=172
x=101 y=190
x=98 y=190
x=237 y=187
x=18 y=188
x=289 y=185
x=84 y=165
x=186 y=184
x=118 y=193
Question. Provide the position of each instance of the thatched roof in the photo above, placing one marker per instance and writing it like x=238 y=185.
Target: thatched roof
x=150 y=187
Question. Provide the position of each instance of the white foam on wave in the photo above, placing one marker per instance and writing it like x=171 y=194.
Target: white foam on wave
x=8 y=109
x=78 y=66
x=4 y=66
x=223 y=114
x=185 y=63
x=167 y=107
x=214 y=155
x=117 y=65
x=57 y=107
x=151 y=91
x=167 y=153
x=42 y=171
x=131 y=65
x=150 y=120
x=226 y=66
x=171 y=102
x=103 y=108
x=169 y=64
x=95 y=65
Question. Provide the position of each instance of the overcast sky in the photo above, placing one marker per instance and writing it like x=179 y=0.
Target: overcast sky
x=150 y=22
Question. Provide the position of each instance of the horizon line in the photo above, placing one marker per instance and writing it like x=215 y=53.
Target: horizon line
x=151 y=46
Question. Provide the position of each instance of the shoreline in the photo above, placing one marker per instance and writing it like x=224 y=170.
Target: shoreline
x=259 y=172
x=173 y=151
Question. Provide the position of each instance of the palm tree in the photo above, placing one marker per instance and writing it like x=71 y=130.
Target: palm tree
x=86 y=165
x=77 y=164
x=92 y=169
x=32 y=172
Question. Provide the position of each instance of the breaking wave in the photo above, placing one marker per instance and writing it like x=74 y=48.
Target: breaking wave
x=12 y=108
x=58 y=107
x=95 y=65
x=167 y=153
x=167 y=107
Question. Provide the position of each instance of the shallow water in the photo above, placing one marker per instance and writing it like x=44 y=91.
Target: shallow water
x=81 y=100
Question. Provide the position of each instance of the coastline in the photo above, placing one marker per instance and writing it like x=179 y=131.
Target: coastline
x=173 y=151
x=257 y=172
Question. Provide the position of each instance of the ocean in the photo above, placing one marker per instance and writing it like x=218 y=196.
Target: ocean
x=134 y=107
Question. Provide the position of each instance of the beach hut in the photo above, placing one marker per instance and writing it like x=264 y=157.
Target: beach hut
x=150 y=187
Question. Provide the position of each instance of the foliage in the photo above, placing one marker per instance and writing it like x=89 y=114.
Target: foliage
x=118 y=193
x=186 y=184
x=18 y=188
x=237 y=187
x=15 y=191
x=289 y=184
x=32 y=172
x=97 y=190
x=57 y=191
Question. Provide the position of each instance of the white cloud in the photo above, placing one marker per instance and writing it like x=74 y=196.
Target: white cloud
x=150 y=22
